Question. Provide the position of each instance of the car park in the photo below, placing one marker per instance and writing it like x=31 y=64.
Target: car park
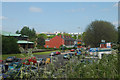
x=52 y=54
x=58 y=52
x=28 y=61
x=66 y=56
x=18 y=60
x=47 y=60
x=29 y=68
x=72 y=50
x=78 y=53
x=40 y=61
x=14 y=65
x=12 y=58
x=1 y=61
x=70 y=54
x=2 y=68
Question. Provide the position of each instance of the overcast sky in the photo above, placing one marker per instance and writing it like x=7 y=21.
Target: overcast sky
x=56 y=16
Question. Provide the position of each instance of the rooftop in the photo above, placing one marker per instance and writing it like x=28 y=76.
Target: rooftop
x=24 y=42
x=4 y=33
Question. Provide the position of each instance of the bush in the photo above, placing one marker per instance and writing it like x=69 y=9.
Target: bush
x=9 y=45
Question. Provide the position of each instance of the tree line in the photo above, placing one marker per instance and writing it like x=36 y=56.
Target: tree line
x=95 y=32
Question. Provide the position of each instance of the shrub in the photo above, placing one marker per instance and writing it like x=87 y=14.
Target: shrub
x=9 y=45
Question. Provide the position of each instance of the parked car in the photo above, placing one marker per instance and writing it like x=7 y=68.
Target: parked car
x=2 y=68
x=12 y=58
x=47 y=60
x=58 y=52
x=78 y=53
x=14 y=65
x=41 y=61
x=72 y=50
x=1 y=61
x=66 y=56
x=52 y=54
x=70 y=54
x=18 y=60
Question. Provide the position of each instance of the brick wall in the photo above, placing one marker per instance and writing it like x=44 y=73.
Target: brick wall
x=56 y=41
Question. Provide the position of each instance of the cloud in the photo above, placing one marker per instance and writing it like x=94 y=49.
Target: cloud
x=76 y=10
x=3 y=18
x=35 y=9
x=115 y=5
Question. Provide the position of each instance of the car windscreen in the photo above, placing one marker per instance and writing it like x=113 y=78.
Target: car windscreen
x=65 y=55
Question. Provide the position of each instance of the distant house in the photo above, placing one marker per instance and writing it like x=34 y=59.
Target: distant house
x=23 y=40
x=106 y=45
x=57 y=41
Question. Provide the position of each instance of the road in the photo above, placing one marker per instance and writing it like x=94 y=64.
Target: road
x=59 y=61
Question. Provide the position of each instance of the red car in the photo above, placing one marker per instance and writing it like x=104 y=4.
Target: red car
x=57 y=52
x=72 y=50
x=1 y=61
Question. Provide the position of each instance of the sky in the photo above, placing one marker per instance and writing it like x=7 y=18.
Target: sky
x=56 y=16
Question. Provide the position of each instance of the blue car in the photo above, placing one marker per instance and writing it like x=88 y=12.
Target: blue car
x=78 y=53
x=14 y=65
x=68 y=56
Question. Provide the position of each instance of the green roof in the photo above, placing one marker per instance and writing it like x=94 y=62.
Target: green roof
x=9 y=33
x=24 y=42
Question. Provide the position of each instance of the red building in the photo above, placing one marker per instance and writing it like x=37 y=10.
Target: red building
x=57 y=41
x=105 y=45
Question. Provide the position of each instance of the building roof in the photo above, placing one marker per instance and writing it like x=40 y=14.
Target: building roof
x=24 y=42
x=9 y=34
x=4 y=33
x=69 y=39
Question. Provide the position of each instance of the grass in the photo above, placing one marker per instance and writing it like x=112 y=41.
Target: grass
x=4 y=56
x=42 y=53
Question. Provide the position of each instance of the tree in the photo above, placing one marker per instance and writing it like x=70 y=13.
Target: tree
x=31 y=33
x=9 y=45
x=100 y=30
x=17 y=32
x=42 y=35
x=58 y=34
x=74 y=37
x=79 y=36
x=51 y=36
x=40 y=42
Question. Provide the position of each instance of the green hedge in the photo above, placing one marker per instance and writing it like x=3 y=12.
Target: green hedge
x=9 y=45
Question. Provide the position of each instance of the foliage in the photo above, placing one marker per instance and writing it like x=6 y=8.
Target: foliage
x=66 y=34
x=17 y=32
x=9 y=45
x=75 y=68
x=31 y=33
x=100 y=30
x=79 y=36
x=40 y=42
x=42 y=35
x=59 y=34
x=74 y=37
x=51 y=36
